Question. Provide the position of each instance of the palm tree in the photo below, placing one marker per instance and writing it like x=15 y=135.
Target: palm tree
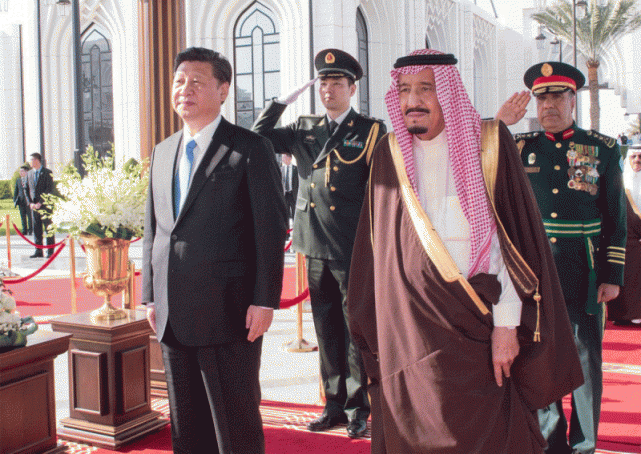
x=597 y=32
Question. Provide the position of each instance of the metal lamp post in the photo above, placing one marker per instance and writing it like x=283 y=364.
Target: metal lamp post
x=77 y=76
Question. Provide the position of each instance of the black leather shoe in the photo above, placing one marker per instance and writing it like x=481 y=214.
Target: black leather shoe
x=36 y=255
x=356 y=428
x=326 y=422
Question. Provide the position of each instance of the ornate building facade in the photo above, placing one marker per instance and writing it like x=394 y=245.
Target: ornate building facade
x=127 y=47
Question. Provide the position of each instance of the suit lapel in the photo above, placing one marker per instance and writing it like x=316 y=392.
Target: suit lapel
x=216 y=151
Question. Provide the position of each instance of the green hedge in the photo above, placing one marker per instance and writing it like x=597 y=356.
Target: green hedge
x=6 y=191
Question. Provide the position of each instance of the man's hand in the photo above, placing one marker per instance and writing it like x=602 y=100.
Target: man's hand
x=607 y=292
x=151 y=316
x=505 y=347
x=293 y=96
x=258 y=321
x=514 y=108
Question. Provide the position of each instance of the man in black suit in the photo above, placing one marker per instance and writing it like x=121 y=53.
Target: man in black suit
x=21 y=200
x=212 y=262
x=290 y=184
x=332 y=154
x=40 y=181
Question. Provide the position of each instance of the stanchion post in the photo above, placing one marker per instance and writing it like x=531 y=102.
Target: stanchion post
x=72 y=273
x=8 y=232
x=300 y=345
x=129 y=295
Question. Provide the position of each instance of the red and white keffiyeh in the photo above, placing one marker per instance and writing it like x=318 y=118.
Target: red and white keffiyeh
x=463 y=129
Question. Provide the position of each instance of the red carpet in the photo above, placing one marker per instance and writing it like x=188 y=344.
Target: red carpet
x=622 y=344
x=52 y=296
x=284 y=426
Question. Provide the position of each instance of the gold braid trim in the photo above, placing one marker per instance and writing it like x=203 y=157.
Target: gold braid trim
x=521 y=274
x=429 y=238
x=367 y=150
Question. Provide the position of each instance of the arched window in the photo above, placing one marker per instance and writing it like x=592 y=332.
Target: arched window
x=97 y=92
x=363 y=59
x=257 y=62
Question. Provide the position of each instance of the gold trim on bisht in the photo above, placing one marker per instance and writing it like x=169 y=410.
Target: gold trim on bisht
x=520 y=272
x=429 y=238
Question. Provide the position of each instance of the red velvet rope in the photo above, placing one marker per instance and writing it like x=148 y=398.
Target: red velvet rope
x=288 y=245
x=35 y=273
x=37 y=246
x=137 y=239
x=285 y=303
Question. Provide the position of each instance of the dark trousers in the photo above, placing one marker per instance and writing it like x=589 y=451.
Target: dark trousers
x=39 y=227
x=25 y=218
x=214 y=397
x=342 y=372
x=290 y=203
x=586 y=400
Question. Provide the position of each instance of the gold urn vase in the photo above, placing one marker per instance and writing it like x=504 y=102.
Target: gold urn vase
x=107 y=272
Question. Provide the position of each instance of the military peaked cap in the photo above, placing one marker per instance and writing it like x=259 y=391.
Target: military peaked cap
x=336 y=63
x=553 y=76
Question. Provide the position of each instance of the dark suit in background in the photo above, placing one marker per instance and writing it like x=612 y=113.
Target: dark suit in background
x=21 y=201
x=290 y=187
x=43 y=184
x=210 y=265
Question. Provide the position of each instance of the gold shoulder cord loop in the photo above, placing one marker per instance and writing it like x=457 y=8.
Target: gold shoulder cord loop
x=525 y=279
x=367 y=149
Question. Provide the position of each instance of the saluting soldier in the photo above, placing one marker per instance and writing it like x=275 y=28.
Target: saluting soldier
x=333 y=153
x=577 y=181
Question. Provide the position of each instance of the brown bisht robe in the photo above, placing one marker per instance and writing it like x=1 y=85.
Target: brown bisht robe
x=627 y=306
x=426 y=343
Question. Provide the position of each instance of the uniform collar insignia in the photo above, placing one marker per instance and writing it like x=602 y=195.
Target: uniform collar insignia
x=556 y=137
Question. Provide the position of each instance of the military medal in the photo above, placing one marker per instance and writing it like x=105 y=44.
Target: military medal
x=531 y=159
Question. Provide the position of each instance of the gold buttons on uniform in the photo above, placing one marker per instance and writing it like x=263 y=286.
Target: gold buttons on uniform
x=558 y=145
x=554 y=215
x=335 y=169
x=555 y=191
x=312 y=204
x=557 y=167
x=332 y=188
x=313 y=185
x=552 y=240
x=332 y=208
x=315 y=166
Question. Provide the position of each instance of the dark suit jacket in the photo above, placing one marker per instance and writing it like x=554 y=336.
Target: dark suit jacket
x=44 y=185
x=20 y=196
x=329 y=200
x=224 y=252
x=294 y=171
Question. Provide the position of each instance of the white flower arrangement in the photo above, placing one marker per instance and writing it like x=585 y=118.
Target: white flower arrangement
x=13 y=329
x=107 y=202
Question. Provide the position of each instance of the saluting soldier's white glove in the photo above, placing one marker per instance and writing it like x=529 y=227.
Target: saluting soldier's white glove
x=293 y=96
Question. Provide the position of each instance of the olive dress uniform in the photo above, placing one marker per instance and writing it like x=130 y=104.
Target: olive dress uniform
x=577 y=181
x=333 y=170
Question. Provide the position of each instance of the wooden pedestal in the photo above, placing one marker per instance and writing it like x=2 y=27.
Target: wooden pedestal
x=27 y=398
x=109 y=392
x=157 y=372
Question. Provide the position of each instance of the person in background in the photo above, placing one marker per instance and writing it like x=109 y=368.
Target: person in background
x=39 y=181
x=332 y=153
x=21 y=200
x=576 y=178
x=290 y=185
x=626 y=308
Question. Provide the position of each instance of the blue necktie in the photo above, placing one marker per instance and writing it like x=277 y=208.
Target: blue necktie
x=183 y=177
x=37 y=176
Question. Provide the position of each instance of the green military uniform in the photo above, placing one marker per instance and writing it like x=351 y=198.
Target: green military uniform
x=577 y=181
x=333 y=171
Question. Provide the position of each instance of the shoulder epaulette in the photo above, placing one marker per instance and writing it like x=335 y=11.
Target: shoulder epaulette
x=606 y=140
x=314 y=117
x=526 y=135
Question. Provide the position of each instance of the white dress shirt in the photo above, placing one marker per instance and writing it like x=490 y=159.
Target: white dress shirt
x=437 y=193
